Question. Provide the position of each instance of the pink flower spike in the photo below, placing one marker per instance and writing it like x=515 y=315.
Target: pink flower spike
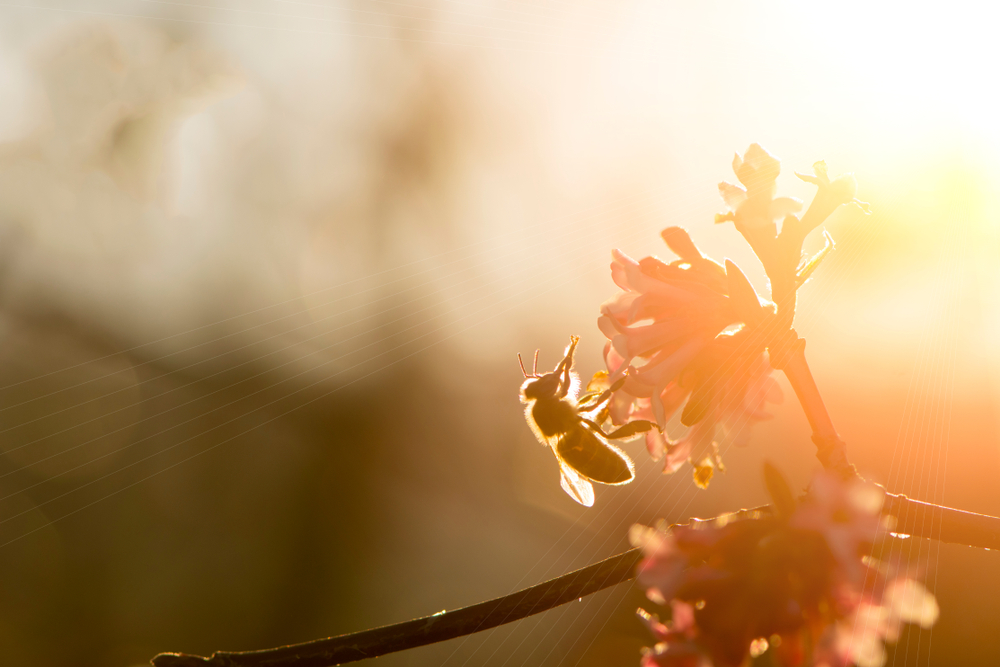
x=684 y=339
x=908 y=601
x=663 y=564
x=846 y=514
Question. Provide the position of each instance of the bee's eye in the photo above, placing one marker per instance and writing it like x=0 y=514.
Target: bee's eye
x=547 y=385
x=531 y=389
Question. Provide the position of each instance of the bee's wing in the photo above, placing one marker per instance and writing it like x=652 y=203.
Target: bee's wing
x=577 y=487
x=593 y=457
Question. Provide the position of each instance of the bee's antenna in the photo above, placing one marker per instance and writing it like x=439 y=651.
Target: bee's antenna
x=521 y=364
x=534 y=368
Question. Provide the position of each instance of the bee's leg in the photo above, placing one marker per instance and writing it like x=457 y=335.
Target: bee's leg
x=565 y=366
x=596 y=402
x=564 y=382
x=630 y=429
x=627 y=431
x=603 y=398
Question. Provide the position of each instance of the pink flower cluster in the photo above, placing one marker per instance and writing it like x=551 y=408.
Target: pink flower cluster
x=797 y=584
x=687 y=333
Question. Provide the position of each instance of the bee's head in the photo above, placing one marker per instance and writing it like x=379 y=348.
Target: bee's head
x=550 y=384
x=540 y=386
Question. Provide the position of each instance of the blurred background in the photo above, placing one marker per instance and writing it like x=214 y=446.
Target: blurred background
x=265 y=266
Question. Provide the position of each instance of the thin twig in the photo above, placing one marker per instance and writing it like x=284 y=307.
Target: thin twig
x=914 y=518
x=426 y=630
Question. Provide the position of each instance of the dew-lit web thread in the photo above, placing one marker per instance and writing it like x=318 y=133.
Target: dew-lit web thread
x=627 y=222
x=311 y=323
x=379 y=324
x=911 y=469
x=600 y=618
x=268 y=370
x=918 y=380
x=959 y=246
x=945 y=402
x=623 y=222
x=912 y=400
x=324 y=395
x=935 y=401
x=629 y=497
x=936 y=406
x=922 y=439
x=361 y=362
x=515 y=239
x=942 y=467
x=676 y=481
x=838 y=275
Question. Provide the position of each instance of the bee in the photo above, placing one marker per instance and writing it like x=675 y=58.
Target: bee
x=580 y=445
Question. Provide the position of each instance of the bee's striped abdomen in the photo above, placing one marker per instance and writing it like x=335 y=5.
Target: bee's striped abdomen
x=594 y=458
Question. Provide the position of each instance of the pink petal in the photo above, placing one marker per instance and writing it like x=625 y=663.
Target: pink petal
x=656 y=444
x=608 y=326
x=620 y=407
x=665 y=366
x=677 y=454
x=641 y=409
x=619 y=272
x=682 y=619
x=612 y=359
x=672 y=398
x=643 y=340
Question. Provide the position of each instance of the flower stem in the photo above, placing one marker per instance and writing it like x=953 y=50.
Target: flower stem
x=830 y=449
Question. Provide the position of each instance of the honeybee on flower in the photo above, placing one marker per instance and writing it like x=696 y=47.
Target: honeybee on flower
x=563 y=420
